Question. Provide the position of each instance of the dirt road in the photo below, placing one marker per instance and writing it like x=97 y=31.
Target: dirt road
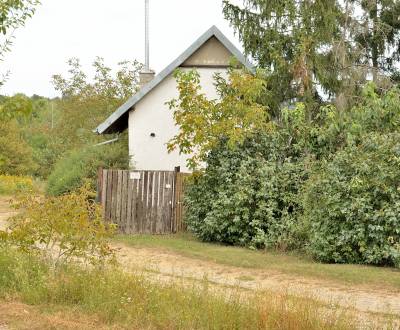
x=166 y=265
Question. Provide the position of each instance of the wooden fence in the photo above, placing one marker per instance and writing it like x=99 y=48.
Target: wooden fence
x=142 y=202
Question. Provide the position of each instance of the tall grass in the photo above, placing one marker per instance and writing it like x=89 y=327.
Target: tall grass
x=12 y=184
x=130 y=301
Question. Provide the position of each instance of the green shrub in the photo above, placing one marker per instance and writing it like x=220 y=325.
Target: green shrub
x=15 y=153
x=352 y=203
x=66 y=227
x=45 y=152
x=71 y=171
x=248 y=196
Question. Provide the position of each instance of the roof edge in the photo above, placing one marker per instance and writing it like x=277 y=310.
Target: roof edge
x=106 y=126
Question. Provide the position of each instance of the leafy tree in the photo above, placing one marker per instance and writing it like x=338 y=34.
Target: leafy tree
x=328 y=186
x=13 y=14
x=204 y=123
x=292 y=40
x=379 y=34
x=85 y=104
x=320 y=49
x=17 y=107
x=15 y=152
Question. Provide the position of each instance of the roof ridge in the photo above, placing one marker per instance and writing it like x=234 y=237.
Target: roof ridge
x=212 y=31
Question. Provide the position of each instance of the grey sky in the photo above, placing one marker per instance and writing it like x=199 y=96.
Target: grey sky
x=114 y=30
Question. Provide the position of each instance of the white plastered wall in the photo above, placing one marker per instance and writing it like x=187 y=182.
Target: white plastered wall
x=152 y=115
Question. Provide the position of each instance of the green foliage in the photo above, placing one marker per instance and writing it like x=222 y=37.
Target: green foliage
x=36 y=133
x=380 y=33
x=15 y=153
x=249 y=195
x=352 y=203
x=71 y=171
x=62 y=228
x=86 y=103
x=203 y=123
x=13 y=14
x=319 y=50
x=254 y=202
x=37 y=128
x=291 y=39
x=18 y=106
x=328 y=186
x=11 y=185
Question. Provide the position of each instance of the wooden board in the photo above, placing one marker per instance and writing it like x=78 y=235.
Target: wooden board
x=142 y=202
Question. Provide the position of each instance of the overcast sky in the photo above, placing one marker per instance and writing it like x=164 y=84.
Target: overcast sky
x=61 y=29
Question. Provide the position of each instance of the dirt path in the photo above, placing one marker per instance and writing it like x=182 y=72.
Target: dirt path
x=165 y=264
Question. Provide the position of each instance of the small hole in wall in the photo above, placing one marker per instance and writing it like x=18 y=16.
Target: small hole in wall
x=153 y=134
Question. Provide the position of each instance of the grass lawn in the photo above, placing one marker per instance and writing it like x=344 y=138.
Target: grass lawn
x=186 y=245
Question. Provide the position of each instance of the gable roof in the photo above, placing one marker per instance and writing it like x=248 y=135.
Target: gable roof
x=118 y=121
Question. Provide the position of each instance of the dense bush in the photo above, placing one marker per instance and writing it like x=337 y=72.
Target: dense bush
x=249 y=195
x=71 y=171
x=352 y=203
x=253 y=203
x=329 y=185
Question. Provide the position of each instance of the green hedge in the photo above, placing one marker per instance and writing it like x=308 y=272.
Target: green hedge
x=352 y=204
x=248 y=196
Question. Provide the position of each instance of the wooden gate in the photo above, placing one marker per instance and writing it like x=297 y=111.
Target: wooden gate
x=142 y=202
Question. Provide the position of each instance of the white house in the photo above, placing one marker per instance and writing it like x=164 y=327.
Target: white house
x=148 y=119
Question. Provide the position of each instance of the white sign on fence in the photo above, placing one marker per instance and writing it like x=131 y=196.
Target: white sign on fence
x=134 y=175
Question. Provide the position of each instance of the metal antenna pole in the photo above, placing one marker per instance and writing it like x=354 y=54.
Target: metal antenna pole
x=147 y=39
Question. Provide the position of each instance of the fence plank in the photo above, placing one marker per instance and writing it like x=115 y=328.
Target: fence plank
x=104 y=192
x=118 y=198
x=167 y=203
x=108 y=196
x=114 y=196
x=151 y=204
x=134 y=224
x=124 y=200
x=154 y=215
x=143 y=204
x=163 y=201
x=129 y=183
x=159 y=219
